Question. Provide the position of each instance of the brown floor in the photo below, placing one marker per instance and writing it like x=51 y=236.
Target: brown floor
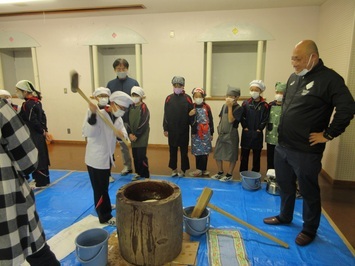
x=337 y=202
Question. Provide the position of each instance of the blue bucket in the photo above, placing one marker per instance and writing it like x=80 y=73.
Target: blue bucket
x=92 y=247
x=251 y=180
x=196 y=226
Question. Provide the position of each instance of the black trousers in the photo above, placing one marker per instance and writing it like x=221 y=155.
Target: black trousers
x=244 y=160
x=43 y=257
x=185 y=163
x=201 y=162
x=100 y=181
x=270 y=152
x=292 y=165
x=41 y=177
x=141 y=161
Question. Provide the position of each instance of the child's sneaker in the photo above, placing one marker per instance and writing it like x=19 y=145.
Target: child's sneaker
x=126 y=171
x=218 y=176
x=111 y=179
x=174 y=173
x=111 y=222
x=226 y=178
x=136 y=177
x=196 y=173
x=182 y=174
x=205 y=173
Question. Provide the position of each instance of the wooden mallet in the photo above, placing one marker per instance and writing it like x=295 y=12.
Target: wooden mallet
x=74 y=83
x=202 y=203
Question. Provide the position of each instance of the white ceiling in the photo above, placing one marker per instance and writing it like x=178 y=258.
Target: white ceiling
x=151 y=6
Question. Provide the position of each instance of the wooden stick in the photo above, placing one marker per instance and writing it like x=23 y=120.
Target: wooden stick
x=104 y=118
x=202 y=203
x=213 y=207
x=74 y=81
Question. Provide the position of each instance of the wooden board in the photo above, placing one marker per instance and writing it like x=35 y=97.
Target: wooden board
x=186 y=257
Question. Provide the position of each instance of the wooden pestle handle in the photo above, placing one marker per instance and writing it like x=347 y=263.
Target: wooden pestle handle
x=213 y=207
x=202 y=203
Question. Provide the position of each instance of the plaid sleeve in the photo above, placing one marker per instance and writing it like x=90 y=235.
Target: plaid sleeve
x=16 y=140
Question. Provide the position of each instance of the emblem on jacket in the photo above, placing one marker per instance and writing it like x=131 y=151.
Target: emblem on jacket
x=308 y=87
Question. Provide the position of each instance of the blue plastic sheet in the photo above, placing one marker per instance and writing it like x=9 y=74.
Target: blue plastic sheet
x=70 y=198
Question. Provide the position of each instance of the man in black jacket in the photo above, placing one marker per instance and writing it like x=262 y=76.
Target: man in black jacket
x=313 y=92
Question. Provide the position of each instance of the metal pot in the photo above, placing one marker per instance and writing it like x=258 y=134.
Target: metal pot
x=272 y=187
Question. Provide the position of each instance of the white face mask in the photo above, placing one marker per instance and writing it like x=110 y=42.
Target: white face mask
x=305 y=70
x=136 y=99
x=20 y=95
x=121 y=75
x=198 y=100
x=103 y=101
x=278 y=97
x=118 y=113
x=254 y=94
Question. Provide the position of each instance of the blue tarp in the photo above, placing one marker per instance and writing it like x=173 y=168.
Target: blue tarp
x=70 y=198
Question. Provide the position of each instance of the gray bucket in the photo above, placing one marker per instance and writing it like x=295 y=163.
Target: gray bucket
x=196 y=226
x=251 y=180
x=92 y=247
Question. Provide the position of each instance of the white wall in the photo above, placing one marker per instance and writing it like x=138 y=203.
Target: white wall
x=336 y=39
x=163 y=57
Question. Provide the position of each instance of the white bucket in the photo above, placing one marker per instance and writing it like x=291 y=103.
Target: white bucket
x=92 y=247
x=251 y=180
x=196 y=226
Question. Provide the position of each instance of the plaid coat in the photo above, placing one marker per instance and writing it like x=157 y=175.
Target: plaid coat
x=21 y=233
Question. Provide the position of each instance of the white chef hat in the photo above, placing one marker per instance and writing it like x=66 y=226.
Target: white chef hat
x=121 y=98
x=257 y=83
x=25 y=85
x=5 y=92
x=101 y=90
x=138 y=90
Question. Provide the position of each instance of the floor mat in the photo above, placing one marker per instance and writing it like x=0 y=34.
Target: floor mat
x=226 y=247
x=71 y=199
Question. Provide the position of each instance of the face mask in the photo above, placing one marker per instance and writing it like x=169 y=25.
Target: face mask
x=20 y=95
x=103 y=101
x=121 y=75
x=136 y=99
x=118 y=113
x=305 y=71
x=198 y=100
x=254 y=94
x=178 y=90
x=278 y=97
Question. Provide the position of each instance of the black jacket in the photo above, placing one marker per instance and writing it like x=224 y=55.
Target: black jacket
x=308 y=104
x=177 y=119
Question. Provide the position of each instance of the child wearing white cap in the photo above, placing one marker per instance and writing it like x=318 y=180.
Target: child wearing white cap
x=4 y=94
x=101 y=144
x=101 y=95
x=35 y=118
x=254 y=120
x=137 y=125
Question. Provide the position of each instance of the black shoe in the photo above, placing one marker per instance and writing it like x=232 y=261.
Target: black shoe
x=304 y=238
x=275 y=220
